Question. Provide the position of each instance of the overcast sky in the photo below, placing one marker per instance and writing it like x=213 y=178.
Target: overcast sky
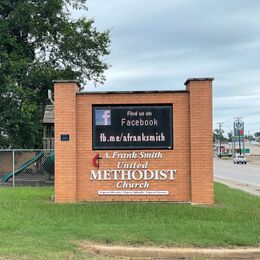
x=157 y=45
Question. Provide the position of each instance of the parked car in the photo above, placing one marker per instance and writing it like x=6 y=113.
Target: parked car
x=240 y=158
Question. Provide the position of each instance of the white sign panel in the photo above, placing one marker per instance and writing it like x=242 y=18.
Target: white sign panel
x=133 y=192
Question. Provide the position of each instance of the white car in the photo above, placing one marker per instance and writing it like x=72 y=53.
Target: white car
x=240 y=159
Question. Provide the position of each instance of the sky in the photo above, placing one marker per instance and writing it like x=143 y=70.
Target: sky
x=157 y=45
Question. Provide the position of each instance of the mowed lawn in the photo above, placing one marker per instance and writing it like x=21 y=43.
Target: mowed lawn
x=33 y=227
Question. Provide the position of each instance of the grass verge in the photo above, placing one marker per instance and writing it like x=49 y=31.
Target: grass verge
x=32 y=227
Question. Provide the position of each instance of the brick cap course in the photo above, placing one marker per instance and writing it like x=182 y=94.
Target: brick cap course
x=133 y=92
x=66 y=81
x=197 y=79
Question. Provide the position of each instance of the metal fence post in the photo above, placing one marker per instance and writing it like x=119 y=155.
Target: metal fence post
x=13 y=168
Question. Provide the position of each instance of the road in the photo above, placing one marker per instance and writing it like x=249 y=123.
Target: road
x=246 y=177
x=245 y=173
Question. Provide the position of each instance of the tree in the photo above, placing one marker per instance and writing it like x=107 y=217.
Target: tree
x=217 y=135
x=249 y=137
x=39 y=42
x=230 y=136
x=257 y=136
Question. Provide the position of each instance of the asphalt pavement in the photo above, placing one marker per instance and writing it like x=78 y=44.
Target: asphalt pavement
x=242 y=176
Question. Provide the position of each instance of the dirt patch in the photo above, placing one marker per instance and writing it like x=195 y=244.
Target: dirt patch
x=127 y=252
x=253 y=159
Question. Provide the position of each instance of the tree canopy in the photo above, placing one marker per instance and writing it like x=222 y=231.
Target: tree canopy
x=257 y=136
x=40 y=42
x=218 y=134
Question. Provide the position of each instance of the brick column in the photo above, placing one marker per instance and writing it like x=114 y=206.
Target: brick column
x=201 y=143
x=65 y=151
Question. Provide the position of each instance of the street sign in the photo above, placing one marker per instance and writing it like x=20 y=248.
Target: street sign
x=239 y=130
x=239 y=125
x=237 y=137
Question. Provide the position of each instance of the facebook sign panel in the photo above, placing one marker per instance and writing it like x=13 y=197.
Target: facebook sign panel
x=132 y=127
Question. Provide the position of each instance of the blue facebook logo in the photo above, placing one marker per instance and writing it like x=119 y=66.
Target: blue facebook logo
x=103 y=117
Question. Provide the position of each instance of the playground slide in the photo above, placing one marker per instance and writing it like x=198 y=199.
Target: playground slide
x=7 y=176
x=48 y=164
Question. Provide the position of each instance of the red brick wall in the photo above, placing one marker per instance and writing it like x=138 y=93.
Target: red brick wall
x=201 y=143
x=192 y=127
x=65 y=152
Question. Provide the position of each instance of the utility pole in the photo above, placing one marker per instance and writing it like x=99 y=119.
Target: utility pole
x=220 y=125
x=238 y=120
x=232 y=143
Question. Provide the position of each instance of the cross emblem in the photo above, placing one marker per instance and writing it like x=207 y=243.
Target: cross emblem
x=95 y=160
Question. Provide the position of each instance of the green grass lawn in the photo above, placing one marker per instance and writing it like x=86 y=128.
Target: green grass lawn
x=33 y=227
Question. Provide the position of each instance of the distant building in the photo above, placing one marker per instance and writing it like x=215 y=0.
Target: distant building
x=48 y=127
x=227 y=148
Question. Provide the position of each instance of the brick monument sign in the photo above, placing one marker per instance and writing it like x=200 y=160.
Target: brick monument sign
x=134 y=145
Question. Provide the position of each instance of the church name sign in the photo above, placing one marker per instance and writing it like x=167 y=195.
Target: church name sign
x=131 y=177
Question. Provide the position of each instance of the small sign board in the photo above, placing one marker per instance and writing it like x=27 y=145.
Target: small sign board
x=64 y=137
x=239 y=137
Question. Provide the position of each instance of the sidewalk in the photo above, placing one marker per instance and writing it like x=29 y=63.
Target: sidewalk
x=252 y=189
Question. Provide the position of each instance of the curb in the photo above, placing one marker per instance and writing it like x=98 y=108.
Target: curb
x=172 y=253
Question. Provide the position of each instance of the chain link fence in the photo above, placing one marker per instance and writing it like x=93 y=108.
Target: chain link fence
x=20 y=167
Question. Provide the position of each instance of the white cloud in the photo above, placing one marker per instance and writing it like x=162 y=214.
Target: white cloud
x=158 y=44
